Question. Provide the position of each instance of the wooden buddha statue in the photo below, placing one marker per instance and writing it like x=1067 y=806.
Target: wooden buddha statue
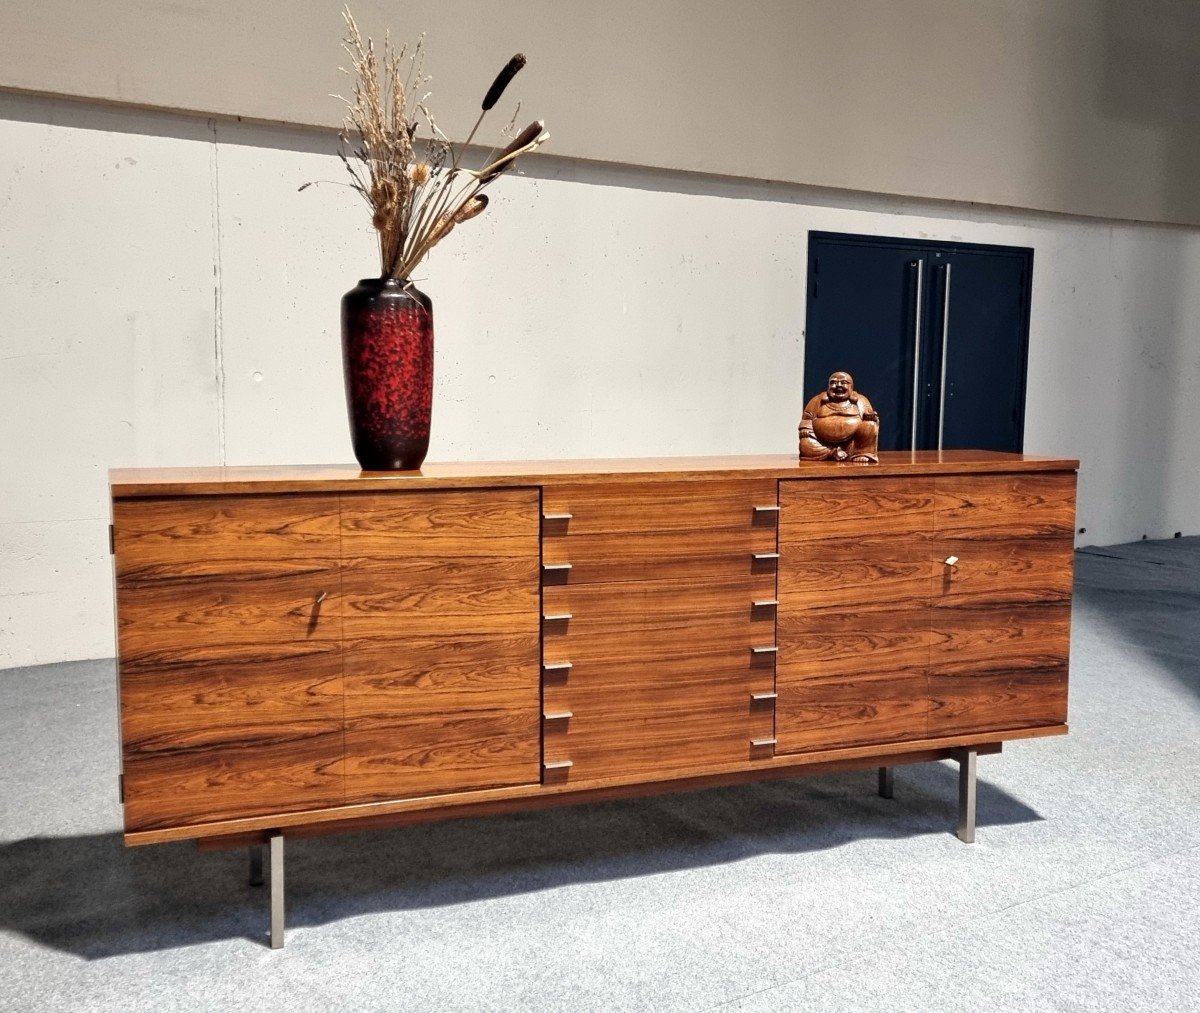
x=840 y=425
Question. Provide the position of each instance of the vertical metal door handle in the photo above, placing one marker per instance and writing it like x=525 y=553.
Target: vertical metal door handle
x=917 y=349
x=945 y=339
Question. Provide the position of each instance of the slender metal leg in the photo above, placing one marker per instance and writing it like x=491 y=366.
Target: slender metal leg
x=966 y=794
x=256 y=865
x=887 y=782
x=276 y=891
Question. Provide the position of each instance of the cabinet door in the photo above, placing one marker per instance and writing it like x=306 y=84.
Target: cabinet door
x=854 y=597
x=441 y=628
x=649 y=638
x=1002 y=612
x=229 y=636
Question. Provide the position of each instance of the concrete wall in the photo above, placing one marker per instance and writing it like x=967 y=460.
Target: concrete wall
x=1080 y=106
x=167 y=297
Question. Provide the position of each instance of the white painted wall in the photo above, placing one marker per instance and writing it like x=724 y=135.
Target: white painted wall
x=167 y=297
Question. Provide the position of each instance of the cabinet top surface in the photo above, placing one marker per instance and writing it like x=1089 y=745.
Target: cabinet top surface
x=131 y=482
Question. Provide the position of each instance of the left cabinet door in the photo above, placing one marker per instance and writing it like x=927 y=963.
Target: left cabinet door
x=229 y=639
x=442 y=641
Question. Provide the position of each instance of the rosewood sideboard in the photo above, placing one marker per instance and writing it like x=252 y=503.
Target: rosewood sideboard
x=307 y=650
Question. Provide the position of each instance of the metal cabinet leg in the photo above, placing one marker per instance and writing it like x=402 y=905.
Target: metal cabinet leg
x=966 y=794
x=256 y=865
x=276 y=846
x=887 y=782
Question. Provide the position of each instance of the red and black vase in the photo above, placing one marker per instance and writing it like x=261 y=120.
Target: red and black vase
x=387 y=356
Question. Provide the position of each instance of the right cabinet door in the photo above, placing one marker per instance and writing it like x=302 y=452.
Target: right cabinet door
x=1001 y=615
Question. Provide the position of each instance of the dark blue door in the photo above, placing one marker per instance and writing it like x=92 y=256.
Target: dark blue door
x=935 y=334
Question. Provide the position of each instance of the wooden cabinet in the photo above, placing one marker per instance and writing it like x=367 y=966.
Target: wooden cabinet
x=318 y=649
x=649 y=598
x=921 y=608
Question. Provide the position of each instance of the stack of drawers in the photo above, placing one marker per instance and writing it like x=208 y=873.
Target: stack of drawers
x=658 y=627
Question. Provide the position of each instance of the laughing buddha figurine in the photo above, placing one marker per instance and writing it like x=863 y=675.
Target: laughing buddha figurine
x=840 y=425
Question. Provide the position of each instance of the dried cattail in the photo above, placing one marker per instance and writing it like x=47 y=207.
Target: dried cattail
x=415 y=199
x=502 y=80
x=507 y=157
x=472 y=208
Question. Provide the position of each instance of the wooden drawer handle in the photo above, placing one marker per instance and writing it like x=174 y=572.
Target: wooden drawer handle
x=557 y=764
x=557 y=715
x=764 y=696
x=766 y=649
x=556 y=666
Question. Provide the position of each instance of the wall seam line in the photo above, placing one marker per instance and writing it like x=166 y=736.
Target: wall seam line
x=218 y=319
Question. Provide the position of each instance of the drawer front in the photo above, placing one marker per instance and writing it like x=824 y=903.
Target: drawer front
x=658 y=641
x=442 y=620
x=658 y=531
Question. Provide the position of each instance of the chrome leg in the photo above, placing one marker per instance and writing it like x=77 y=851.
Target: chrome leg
x=256 y=865
x=887 y=782
x=276 y=890
x=966 y=794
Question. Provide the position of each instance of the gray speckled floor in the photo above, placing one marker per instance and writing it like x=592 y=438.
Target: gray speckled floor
x=1082 y=893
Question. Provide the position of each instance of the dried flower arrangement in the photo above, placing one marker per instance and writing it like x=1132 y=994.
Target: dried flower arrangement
x=418 y=191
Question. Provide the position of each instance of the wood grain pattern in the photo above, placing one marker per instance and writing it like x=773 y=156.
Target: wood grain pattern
x=1001 y=618
x=850 y=708
x=230 y=669
x=442 y=673
x=662 y=626
x=227 y=738
x=416 y=690
x=1006 y=507
x=129 y=482
x=478 y=803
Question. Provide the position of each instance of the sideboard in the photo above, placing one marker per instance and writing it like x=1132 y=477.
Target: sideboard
x=308 y=650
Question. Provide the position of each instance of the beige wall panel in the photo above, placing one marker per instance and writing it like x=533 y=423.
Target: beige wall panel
x=1083 y=106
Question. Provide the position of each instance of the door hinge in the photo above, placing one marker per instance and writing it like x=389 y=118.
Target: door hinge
x=121 y=788
x=112 y=540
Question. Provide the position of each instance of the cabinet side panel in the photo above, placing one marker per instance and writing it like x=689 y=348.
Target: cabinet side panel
x=442 y=642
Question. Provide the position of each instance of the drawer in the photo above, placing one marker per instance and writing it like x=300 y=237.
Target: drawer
x=658 y=506
x=658 y=531
x=746 y=598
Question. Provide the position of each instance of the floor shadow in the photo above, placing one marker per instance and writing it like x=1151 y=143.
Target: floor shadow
x=90 y=896
x=1148 y=593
